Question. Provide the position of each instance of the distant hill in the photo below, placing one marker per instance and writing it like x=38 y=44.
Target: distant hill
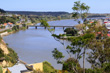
x=37 y=13
x=91 y=15
x=2 y=11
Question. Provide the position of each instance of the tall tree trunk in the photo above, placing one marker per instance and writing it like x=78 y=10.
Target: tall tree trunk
x=84 y=61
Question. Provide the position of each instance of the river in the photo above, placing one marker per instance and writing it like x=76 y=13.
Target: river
x=36 y=45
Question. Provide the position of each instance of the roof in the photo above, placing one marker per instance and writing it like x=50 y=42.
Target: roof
x=5 y=23
x=10 y=23
x=108 y=35
x=17 y=68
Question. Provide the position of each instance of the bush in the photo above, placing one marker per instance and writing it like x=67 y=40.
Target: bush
x=71 y=31
x=1 y=53
x=12 y=56
x=2 y=26
x=48 y=68
x=23 y=25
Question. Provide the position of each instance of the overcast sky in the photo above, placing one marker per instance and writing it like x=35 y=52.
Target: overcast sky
x=97 y=6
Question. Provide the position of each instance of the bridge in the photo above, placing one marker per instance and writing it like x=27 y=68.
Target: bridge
x=50 y=26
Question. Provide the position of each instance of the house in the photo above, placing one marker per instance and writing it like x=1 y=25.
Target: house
x=17 y=68
x=8 y=25
x=21 y=68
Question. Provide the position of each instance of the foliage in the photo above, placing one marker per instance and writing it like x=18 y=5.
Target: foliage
x=71 y=64
x=15 y=28
x=9 y=30
x=80 y=10
x=2 y=11
x=1 y=70
x=12 y=20
x=71 y=31
x=54 y=35
x=6 y=19
x=1 y=53
x=58 y=55
x=24 y=25
x=48 y=68
x=51 y=31
x=12 y=56
x=96 y=70
x=44 y=23
x=2 y=26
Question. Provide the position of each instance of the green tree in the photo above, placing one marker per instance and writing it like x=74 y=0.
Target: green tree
x=71 y=65
x=80 y=44
x=58 y=56
x=44 y=23
x=2 y=11
x=80 y=10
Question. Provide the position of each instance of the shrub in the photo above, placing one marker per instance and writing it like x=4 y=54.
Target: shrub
x=2 y=26
x=48 y=68
x=1 y=53
x=12 y=56
x=23 y=25
x=71 y=31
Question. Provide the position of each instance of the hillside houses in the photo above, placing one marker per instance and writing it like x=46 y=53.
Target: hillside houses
x=7 y=25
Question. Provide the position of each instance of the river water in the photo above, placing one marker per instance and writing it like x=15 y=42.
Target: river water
x=36 y=45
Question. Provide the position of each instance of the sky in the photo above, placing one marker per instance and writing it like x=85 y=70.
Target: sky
x=96 y=6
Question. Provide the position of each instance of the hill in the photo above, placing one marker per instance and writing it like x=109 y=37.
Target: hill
x=37 y=13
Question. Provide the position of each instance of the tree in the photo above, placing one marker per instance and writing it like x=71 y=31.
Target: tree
x=98 y=57
x=2 y=19
x=44 y=23
x=80 y=10
x=69 y=63
x=58 y=55
x=2 y=11
x=80 y=44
